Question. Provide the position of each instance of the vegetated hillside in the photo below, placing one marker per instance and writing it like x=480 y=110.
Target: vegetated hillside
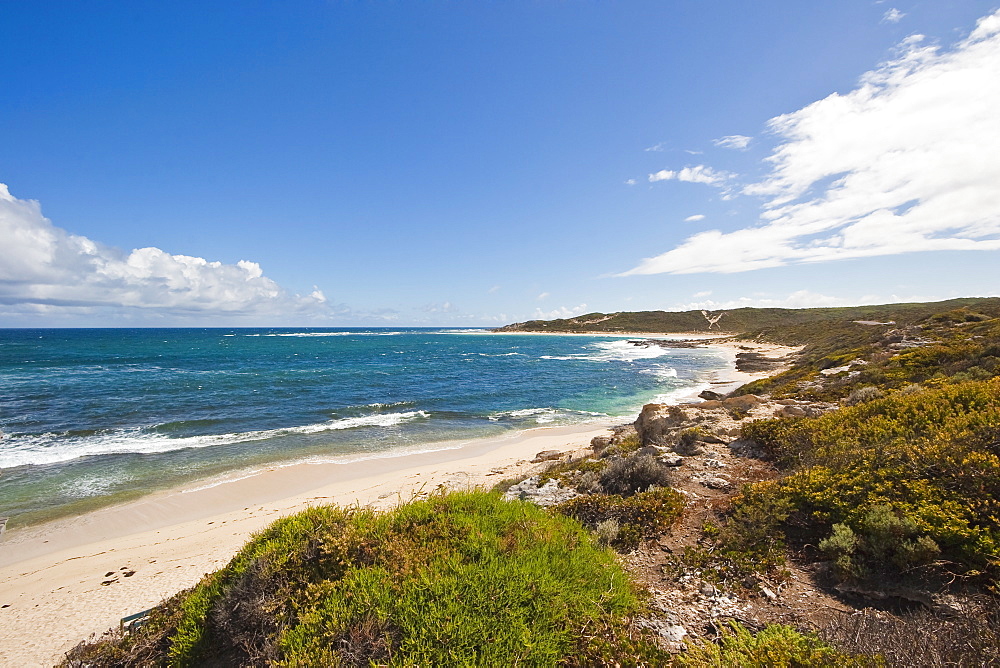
x=770 y=321
x=837 y=358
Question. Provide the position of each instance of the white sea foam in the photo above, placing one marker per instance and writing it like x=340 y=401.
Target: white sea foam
x=491 y=354
x=662 y=372
x=680 y=395
x=51 y=448
x=311 y=334
x=614 y=351
x=545 y=415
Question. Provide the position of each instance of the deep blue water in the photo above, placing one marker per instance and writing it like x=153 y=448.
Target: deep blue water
x=94 y=416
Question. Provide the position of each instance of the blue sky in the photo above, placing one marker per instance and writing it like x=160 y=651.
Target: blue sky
x=460 y=163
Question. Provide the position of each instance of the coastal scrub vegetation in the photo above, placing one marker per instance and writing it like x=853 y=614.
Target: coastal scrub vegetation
x=774 y=646
x=905 y=482
x=457 y=579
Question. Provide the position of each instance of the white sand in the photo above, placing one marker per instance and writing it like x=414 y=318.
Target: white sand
x=52 y=576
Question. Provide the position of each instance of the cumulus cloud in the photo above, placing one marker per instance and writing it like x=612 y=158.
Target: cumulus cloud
x=44 y=268
x=738 y=142
x=561 y=312
x=630 y=182
x=695 y=218
x=696 y=174
x=892 y=16
x=908 y=161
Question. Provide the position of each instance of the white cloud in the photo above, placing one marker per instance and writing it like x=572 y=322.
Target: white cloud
x=561 y=312
x=738 y=142
x=493 y=290
x=696 y=174
x=630 y=182
x=704 y=293
x=656 y=148
x=542 y=296
x=908 y=161
x=442 y=307
x=798 y=299
x=892 y=16
x=695 y=218
x=45 y=269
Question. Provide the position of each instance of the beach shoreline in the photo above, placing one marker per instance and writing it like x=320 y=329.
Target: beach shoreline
x=89 y=571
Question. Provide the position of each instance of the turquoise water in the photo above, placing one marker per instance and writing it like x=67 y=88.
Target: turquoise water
x=94 y=416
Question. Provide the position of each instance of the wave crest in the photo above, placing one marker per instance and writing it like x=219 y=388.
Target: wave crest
x=51 y=448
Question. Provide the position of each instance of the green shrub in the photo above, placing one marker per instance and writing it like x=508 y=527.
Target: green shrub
x=570 y=473
x=863 y=394
x=633 y=474
x=748 y=542
x=640 y=517
x=624 y=446
x=457 y=579
x=839 y=547
x=914 y=475
x=775 y=646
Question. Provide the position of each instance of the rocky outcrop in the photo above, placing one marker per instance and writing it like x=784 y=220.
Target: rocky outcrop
x=657 y=423
x=548 y=494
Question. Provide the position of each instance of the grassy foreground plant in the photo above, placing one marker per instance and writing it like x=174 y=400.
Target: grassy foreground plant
x=458 y=579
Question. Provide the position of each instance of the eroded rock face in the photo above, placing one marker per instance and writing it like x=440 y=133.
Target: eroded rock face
x=547 y=456
x=657 y=423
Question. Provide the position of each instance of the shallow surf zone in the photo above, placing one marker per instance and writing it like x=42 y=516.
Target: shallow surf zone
x=93 y=417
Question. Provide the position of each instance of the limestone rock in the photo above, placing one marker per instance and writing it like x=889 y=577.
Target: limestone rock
x=717 y=483
x=548 y=494
x=546 y=456
x=656 y=422
x=790 y=411
x=709 y=394
x=741 y=403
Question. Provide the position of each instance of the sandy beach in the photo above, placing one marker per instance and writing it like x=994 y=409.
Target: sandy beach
x=63 y=581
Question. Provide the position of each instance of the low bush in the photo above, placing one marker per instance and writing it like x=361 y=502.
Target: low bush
x=642 y=516
x=774 y=646
x=571 y=473
x=457 y=579
x=623 y=446
x=635 y=473
x=863 y=394
x=747 y=542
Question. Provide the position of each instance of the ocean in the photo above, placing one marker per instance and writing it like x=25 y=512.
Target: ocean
x=91 y=417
